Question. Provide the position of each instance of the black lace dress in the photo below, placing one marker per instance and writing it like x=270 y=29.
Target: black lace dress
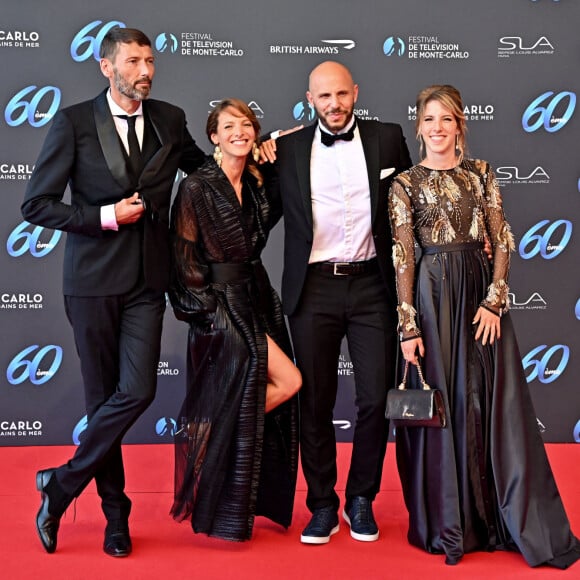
x=232 y=461
x=484 y=482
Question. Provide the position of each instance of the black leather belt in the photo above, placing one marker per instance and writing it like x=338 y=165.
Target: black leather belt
x=347 y=268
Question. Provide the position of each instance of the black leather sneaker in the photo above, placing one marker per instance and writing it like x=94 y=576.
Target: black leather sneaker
x=358 y=514
x=323 y=524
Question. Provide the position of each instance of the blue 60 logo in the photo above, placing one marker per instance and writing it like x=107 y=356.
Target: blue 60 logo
x=539 y=364
x=577 y=310
x=92 y=39
x=25 y=104
x=576 y=433
x=545 y=112
x=535 y=242
x=21 y=241
x=79 y=430
x=21 y=367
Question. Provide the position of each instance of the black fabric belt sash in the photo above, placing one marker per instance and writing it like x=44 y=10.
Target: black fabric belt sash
x=232 y=273
x=347 y=268
x=452 y=248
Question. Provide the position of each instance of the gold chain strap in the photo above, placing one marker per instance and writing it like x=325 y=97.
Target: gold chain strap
x=402 y=386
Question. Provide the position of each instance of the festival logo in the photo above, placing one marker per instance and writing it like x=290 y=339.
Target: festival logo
x=165 y=369
x=345 y=367
x=204 y=44
x=545 y=363
x=19 y=39
x=549 y=111
x=15 y=171
x=21 y=301
x=303 y=111
x=472 y=112
x=366 y=114
x=13 y=428
x=35 y=364
x=166 y=427
x=394 y=46
x=419 y=47
x=32 y=104
x=79 y=430
x=87 y=41
x=546 y=239
x=166 y=42
x=34 y=240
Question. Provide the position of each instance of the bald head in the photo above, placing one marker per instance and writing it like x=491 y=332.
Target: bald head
x=332 y=93
x=329 y=70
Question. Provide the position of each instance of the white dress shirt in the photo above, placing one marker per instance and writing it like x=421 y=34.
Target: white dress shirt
x=108 y=220
x=341 y=205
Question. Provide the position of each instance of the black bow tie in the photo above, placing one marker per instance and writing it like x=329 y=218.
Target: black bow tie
x=328 y=139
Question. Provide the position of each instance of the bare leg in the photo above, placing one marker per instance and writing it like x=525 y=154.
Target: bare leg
x=284 y=379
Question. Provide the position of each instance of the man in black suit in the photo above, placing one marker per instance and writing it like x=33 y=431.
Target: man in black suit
x=116 y=264
x=339 y=281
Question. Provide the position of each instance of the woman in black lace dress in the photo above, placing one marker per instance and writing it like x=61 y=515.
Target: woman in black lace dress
x=236 y=449
x=484 y=481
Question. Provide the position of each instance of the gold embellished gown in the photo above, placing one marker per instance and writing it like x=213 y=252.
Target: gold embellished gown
x=232 y=461
x=484 y=481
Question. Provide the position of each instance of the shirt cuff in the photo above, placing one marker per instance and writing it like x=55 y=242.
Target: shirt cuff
x=108 y=219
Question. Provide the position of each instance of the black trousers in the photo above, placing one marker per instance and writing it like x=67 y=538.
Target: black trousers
x=331 y=308
x=118 y=340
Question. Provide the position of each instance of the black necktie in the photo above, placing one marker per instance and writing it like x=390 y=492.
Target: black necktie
x=328 y=139
x=134 y=149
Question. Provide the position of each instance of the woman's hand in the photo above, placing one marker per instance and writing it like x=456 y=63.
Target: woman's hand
x=489 y=326
x=409 y=349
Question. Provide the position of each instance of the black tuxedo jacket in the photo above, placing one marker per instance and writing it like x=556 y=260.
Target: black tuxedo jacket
x=82 y=150
x=385 y=148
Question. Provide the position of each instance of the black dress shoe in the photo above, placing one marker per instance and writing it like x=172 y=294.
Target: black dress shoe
x=46 y=523
x=117 y=541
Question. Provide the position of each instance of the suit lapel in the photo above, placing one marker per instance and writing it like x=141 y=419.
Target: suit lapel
x=303 y=154
x=162 y=131
x=111 y=145
x=370 y=140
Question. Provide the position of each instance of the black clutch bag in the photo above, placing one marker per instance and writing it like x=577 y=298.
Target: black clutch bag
x=416 y=407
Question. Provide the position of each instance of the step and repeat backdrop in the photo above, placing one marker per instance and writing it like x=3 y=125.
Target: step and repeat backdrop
x=516 y=64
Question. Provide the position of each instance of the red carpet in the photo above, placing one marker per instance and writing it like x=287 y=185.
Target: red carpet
x=165 y=549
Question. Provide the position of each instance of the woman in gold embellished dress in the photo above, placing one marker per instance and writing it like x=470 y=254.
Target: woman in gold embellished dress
x=236 y=449
x=484 y=481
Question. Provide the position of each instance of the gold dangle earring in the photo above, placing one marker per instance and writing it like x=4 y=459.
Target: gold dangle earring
x=457 y=149
x=218 y=155
x=255 y=152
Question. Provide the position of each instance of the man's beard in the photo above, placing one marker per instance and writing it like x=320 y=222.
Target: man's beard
x=348 y=116
x=131 y=91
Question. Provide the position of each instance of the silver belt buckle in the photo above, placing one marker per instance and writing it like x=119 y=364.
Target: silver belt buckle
x=336 y=272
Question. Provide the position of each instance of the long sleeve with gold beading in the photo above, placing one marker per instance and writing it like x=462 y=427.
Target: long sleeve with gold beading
x=442 y=208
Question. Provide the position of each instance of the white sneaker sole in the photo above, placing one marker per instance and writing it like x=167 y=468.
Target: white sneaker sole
x=360 y=537
x=319 y=539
